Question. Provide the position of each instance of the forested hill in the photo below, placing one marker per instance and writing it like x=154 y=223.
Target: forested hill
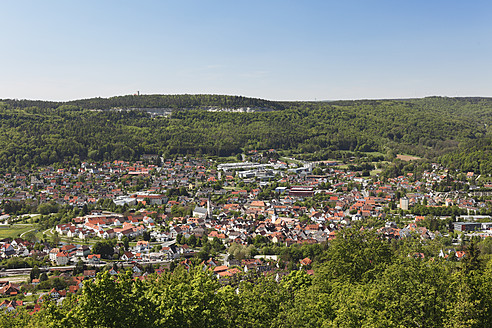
x=478 y=108
x=155 y=101
x=41 y=133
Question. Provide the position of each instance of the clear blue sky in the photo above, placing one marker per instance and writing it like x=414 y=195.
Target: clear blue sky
x=279 y=50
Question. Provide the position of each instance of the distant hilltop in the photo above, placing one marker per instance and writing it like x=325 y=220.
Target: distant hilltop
x=160 y=103
x=164 y=104
x=453 y=130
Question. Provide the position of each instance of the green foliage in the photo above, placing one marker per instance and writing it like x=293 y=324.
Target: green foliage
x=240 y=252
x=47 y=208
x=55 y=239
x=181 y=211
x=174 y=101
x=146 y=235
x=297 y=281
x=16 y=208
x=43 y=277
x=126 y=243
x=34 y=274
x=20 y=262
x=190 y=300
x=79 y=268
x=359 y=281
x=41 y=133
x=435 y=223
x=50 y=283
x=472 y=156
x=113 y=303
x=181 y=191
x=357 y=256
x=105 y=248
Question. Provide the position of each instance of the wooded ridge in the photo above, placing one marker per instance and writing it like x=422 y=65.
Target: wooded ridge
x=41 y=132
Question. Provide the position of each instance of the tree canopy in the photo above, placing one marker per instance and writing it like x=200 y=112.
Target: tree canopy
x=42 y=133
x=360 y=280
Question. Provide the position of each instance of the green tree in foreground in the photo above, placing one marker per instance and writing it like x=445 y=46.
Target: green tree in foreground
x=360 y=281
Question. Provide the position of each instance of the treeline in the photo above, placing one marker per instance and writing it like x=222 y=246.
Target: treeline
x=153 y=101
x=41 y=133
x=361 y=281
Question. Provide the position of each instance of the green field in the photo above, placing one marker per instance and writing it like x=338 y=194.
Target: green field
x=14 y=231
x=290 y=160
x=374 y=172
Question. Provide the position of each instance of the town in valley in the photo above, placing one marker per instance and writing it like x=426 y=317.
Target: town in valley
x=233 y=218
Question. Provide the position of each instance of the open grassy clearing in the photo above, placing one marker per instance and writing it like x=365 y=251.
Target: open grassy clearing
x=14 y=231
x=407 y=158
x=375 y=172
x=289 y=160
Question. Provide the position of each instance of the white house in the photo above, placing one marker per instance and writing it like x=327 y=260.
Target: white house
x=53 y=253
x=62 y=258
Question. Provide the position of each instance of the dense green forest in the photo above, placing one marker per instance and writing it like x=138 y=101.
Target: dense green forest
x=473 y=155
x=155 y=101
x=39 y=133
x=360 y=280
